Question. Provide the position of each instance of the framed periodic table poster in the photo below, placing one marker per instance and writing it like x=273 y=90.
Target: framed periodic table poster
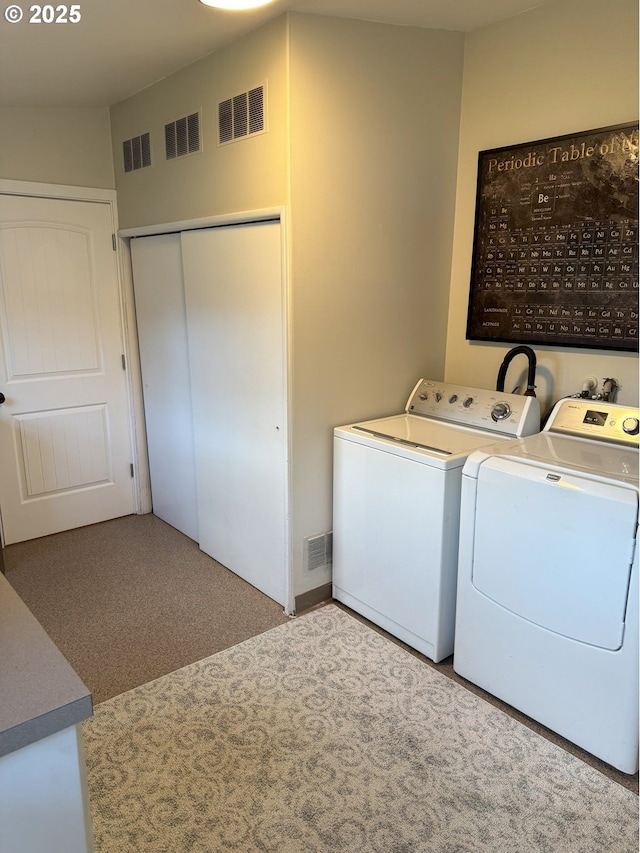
x=555 y=253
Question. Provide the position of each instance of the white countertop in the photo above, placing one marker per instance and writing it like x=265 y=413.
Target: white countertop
x=40 y=692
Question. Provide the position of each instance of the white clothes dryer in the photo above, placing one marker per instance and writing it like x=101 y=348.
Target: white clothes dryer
x=547 y=603
x=396 y=505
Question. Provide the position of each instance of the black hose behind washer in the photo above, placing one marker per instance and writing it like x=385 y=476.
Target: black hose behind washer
x=531 y=372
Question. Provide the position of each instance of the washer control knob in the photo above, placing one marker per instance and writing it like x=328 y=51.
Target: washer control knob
x=467 y=402
x=630 y=426
x=500 y=411
x=424 y=396
x=438 y=396
x=453 y=398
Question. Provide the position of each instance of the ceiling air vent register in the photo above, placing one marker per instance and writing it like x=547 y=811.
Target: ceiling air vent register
x=136 y=152
x=241 y=116
x=182 y=136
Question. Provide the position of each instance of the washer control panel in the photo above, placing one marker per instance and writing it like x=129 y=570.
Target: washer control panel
x=596 y=419
x=506 y=414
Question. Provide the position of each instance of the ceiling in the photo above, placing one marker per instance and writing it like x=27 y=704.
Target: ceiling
x=121 y=46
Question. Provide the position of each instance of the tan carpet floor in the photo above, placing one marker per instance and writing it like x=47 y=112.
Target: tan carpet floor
x=132 y=599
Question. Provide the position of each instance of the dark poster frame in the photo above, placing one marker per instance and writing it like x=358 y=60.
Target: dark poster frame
x=555 y=247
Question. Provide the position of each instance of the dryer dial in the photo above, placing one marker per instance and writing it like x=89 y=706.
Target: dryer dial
x=630 y=426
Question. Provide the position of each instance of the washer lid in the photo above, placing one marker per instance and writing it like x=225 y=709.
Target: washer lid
x=410 y=434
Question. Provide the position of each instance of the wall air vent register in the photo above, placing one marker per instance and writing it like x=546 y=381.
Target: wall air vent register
x=182 y=136
x=241 y=116
x=136 y=153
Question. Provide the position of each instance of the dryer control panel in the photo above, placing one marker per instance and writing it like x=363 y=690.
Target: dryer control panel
x=505 y=414
x=597 y=420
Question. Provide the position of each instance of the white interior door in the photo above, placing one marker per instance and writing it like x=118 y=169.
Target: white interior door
x=235 y=321
x=65 y=445
x=164 y=360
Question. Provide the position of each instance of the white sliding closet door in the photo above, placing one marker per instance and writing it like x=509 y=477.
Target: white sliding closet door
x=164 y=361
x=236 y=328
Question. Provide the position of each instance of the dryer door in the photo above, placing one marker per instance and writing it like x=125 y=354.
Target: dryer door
x=555 y=548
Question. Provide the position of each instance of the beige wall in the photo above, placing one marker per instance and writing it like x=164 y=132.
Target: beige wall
x=248 y=174
x=564 y=67
x=56 y=146
x=374 y=129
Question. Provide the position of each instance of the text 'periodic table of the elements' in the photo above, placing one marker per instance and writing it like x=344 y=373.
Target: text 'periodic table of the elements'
x=555 y=256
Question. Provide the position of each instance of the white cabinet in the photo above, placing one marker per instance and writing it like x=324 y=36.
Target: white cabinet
x=211 y=307
x=44 y=801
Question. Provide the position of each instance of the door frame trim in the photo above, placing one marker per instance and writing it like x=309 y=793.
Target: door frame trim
x=135 y=413
x=34 y=188
x=244 y=217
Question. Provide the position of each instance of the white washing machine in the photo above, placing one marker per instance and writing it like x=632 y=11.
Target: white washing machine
x=396 y=505
x=547 y=605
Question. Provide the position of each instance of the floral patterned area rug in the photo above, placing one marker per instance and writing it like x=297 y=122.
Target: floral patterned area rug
x=322 y=736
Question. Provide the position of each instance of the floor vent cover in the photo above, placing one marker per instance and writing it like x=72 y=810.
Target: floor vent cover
x=241 y=116
x=182 y=136
x=136 y=152
x=318 y=551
